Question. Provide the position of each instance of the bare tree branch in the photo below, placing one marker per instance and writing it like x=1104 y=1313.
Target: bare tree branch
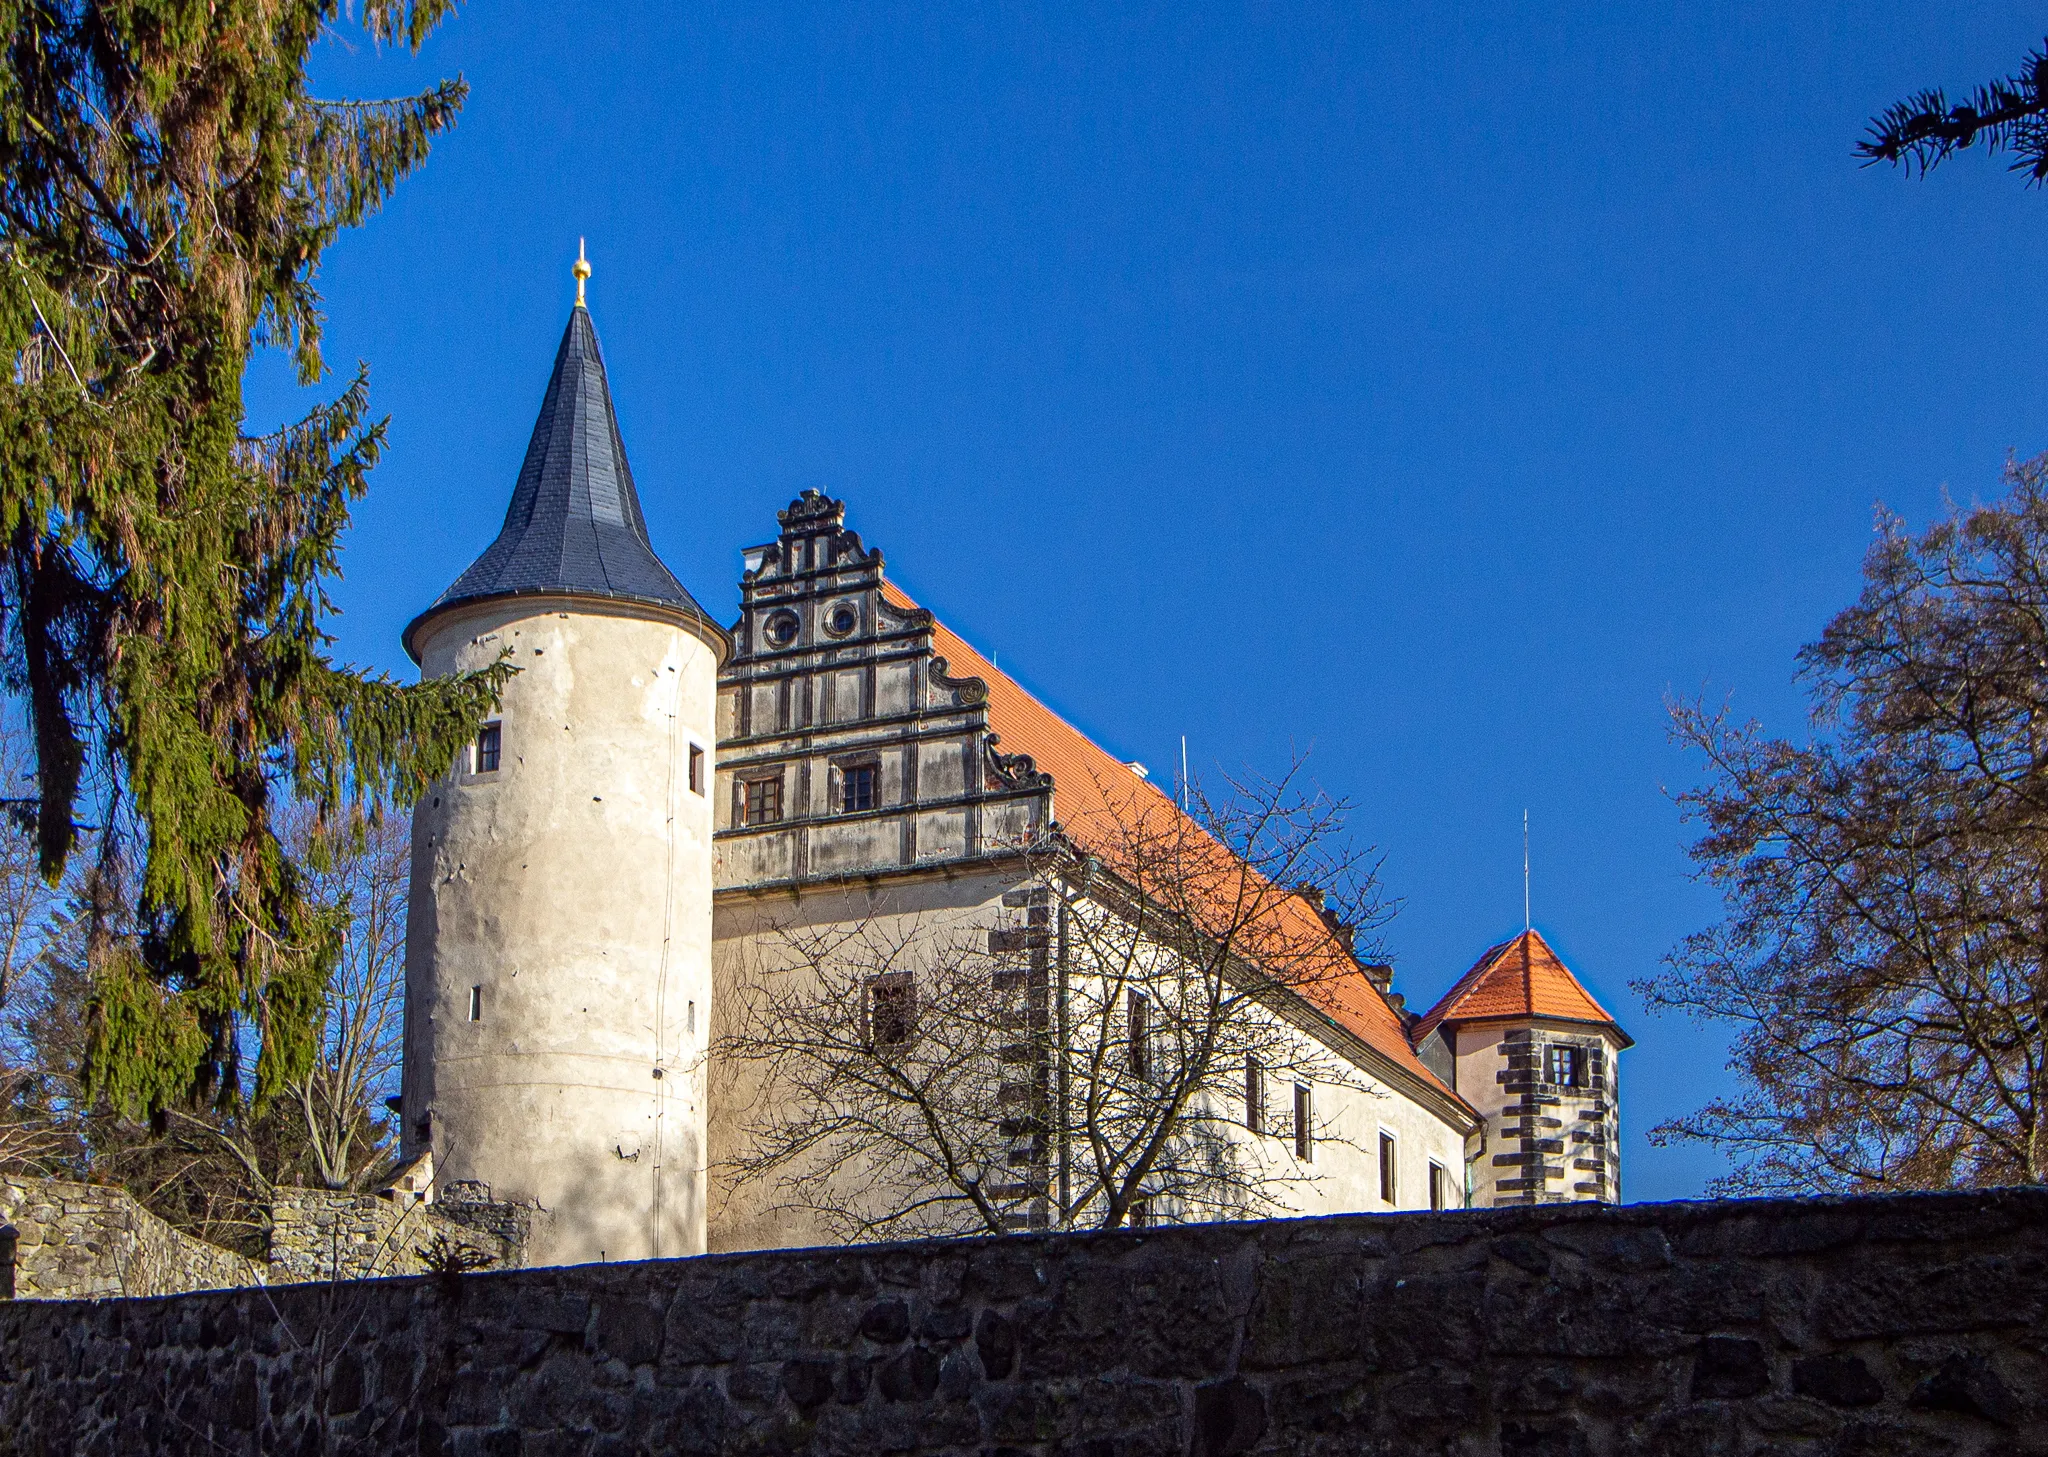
x=1076 y=1058
x=1885 y=953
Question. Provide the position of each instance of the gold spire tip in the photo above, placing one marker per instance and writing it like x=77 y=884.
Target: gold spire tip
x=582 y=272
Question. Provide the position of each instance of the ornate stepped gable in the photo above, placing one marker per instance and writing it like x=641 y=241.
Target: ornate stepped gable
x=847 y=740
x=835 y=668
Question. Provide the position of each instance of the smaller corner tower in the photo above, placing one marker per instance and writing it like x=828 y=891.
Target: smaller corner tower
x=1521 y=1040
x=558 y=951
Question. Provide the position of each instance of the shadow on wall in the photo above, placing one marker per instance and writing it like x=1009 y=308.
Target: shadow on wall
x=589 y=1225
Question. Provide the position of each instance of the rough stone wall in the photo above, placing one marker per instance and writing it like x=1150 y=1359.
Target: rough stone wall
x=470 y=1206
x=316 y=1234
x=1899 y=1325
x=85 y=1241
x=90 y=1241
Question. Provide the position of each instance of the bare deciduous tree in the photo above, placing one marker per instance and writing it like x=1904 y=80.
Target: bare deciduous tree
x=209 y=1168
x=1088 y=1062
x=362 y=874
x=1885 y=953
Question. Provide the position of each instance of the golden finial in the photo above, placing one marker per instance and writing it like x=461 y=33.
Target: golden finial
x=582 y=272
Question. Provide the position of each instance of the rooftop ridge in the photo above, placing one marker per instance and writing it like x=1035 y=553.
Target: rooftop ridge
x=1084 y=774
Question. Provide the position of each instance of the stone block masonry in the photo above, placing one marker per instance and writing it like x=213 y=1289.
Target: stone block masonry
x=316 y=1234
x=1912 y=1324
x=83 y=1241
x=90 y=1241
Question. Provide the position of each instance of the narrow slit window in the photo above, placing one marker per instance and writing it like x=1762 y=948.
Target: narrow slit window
x=761 y=803
x=857 y=788
x=489 y=744
x=1254 y=1095
x=476 y=1004
x=1304 y=1123
x=696 y=770
x=1138 y=1008
x=1389 y=1186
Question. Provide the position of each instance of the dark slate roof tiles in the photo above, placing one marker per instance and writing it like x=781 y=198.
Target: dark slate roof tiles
x=574 y=525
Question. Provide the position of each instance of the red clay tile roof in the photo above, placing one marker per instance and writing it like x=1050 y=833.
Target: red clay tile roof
x=1095 y=795
x=1518 y=978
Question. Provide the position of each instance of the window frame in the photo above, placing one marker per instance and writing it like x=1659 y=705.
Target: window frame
x=696 y=775
x=1439 y=1187
x=1305 y=1122
x=743 y=787
x=1138 y=1031
x=1390 y=1167
x=872 y=769
x=1568 y=1057
x=1254 y=1094
x=780 y=617
x=476 y=1003
x=489 y=739
x=871 y=1019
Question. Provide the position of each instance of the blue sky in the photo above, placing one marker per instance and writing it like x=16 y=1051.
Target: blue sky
x=1438 y=388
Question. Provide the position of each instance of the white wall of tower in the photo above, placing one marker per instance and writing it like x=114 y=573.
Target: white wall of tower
x=558 y=955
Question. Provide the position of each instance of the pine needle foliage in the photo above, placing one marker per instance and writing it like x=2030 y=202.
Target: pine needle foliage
x=2009 y=114
x=167 y=187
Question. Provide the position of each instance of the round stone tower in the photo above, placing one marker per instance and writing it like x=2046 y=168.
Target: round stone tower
x=558 y=954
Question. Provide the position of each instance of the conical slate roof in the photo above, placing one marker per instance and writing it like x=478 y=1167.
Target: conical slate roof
x=574 y=525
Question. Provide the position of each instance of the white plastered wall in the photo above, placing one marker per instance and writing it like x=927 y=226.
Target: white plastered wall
x=569 y=895
x=1352 y=1104
x=1350 y=1117
x=752 y=938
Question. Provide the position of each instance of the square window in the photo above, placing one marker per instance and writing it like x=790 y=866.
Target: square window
x=1389 y=1186
x=1254 y=1095
x=857 y=788
x=1564 y=1066
x=891 y=1009
x=1304 y=1123
x=696 y=770
x=761 y=801
x=488 y=744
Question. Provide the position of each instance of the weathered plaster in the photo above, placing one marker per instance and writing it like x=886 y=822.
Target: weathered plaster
x=569 y=894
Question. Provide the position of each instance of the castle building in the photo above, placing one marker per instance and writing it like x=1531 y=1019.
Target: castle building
x=672 y=831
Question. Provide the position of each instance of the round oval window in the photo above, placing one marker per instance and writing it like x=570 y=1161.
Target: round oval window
x=842 y=620
x=782 y=629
